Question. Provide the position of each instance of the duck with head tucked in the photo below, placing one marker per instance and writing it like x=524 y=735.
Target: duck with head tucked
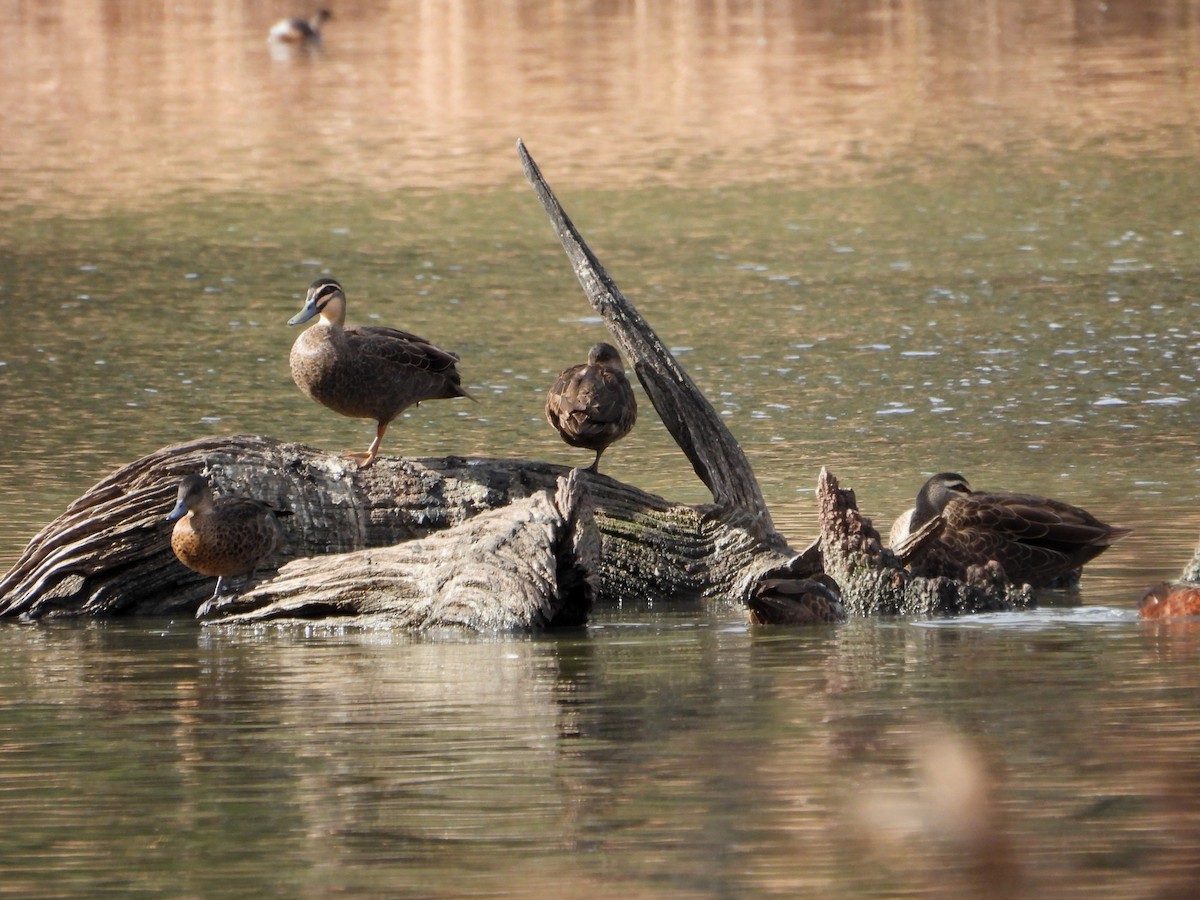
x=221 y=536
x=295 y=30
x=591 y=405
x=1035 y=540
x=366 y=372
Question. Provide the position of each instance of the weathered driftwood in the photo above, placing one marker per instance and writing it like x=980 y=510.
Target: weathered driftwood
x=109 y=553
x=530 y=564
x=713 y=451
x=529 y=559
x=872 y=581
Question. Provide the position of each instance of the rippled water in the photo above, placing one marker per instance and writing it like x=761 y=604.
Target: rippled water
x=885 y=238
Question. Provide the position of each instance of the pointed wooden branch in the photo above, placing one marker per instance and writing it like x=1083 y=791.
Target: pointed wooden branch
x=713 y=451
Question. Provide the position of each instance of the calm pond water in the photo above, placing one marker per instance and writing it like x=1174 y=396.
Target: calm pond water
x=888 y=238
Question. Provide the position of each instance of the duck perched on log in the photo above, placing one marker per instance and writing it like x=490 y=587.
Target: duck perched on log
x=591 y=405
x=955 y=531
x=221 y=536
x=366 y=372
x=296 y=30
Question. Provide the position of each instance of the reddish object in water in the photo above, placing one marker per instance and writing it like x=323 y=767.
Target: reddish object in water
x=1170 y=601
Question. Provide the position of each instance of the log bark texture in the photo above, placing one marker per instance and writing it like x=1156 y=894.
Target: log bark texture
x=530 y=564
x=109 y=552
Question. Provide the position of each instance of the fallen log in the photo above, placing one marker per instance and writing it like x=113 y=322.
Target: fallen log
x=109 y=553
x=543 y=549
x=530 y=564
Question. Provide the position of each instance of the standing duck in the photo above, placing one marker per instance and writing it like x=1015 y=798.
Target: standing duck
x=222 y=536
x=1035 y=540
x=295 y=30
x=366 y=372
x=591 y=405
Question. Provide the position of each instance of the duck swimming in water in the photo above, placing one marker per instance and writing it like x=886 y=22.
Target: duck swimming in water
x=221 y=536
x=295 y=30
x=366 y=372
x=1035 y=540
x=591 y=405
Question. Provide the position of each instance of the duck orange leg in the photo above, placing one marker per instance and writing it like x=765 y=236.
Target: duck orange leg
x=365 y=459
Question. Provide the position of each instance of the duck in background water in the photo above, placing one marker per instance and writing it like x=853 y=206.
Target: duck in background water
x=221 y=536
x=295 y=30
x=591 y=405
x=366 y=372
x=1035 y=540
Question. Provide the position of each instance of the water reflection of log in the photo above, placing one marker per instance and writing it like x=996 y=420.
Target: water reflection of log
x=542 y=550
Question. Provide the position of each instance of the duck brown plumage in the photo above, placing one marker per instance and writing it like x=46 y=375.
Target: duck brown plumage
x=1035 y=540
x=221 y=536
x=591 y=405
x=815 y=600
x=366 y=372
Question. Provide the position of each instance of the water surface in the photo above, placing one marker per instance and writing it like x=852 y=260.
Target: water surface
x=884 y=238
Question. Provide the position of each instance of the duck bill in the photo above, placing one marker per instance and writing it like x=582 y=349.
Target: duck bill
x=310 y=310
x=178 y=512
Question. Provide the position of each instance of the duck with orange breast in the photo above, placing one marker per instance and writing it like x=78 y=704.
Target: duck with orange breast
x=222 y=536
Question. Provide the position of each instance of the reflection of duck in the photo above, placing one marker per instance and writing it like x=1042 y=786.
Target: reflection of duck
x=591 y=405
x=221 y=536
x=366 y=372
x=295 y=30
x=1036 y=540
x=1170 y=601
x=797 y=601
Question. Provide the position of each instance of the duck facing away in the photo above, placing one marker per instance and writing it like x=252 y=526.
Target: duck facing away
x=221 y=536
x=366 y=372
x=591 y=405
x=295 y=30
x=1035 y=540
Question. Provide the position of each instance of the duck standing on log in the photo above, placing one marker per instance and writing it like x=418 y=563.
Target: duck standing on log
x=591 y=405
x=366 y=372
x=295 y=30
x=222 y=536
x=1035 y=540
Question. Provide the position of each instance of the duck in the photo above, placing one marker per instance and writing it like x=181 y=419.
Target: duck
x=366 y=372
x=221 y=536
x=591 y=405
x=1038 y=541
x=816 y=600
x=1170 y=601
x=295 y=30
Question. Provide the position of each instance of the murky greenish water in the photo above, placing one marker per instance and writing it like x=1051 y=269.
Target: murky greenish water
x=891 y=239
